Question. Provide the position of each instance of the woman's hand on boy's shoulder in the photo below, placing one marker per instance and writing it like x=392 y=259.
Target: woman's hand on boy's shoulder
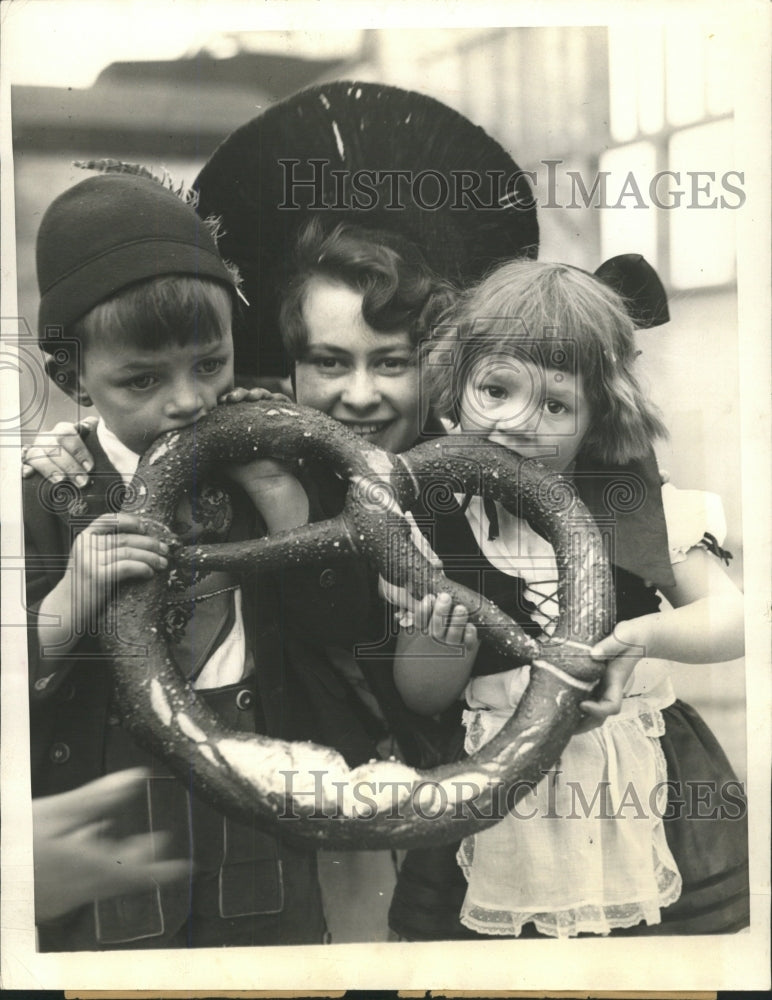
x=255 y=395
x=61 y=453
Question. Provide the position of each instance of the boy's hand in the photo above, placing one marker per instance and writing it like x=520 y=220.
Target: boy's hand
x=435 y=657
x=113 y=548
x=76 y=860
x=60 y=453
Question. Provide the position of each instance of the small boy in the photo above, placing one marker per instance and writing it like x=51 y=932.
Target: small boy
x=135 y=319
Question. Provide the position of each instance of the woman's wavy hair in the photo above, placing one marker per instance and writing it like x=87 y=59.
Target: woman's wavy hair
x=561 y=318
x=399 y=289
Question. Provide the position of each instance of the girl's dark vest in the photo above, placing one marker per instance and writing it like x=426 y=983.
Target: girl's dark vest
x=626 y=505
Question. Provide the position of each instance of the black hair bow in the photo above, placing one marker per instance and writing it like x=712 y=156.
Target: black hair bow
x=632 y=277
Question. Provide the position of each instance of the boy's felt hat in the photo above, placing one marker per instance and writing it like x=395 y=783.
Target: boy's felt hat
x=364 y=153
x=109 y=232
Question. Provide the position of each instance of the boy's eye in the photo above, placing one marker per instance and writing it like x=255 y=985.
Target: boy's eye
x=554 y=407
x=210 y=366
x=142 y=382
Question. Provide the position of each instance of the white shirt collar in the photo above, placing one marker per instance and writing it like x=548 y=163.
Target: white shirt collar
x=122 y=458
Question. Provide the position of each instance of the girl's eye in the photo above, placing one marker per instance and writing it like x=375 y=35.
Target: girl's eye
x=210 y=366
x=493 y=391
x=143 y=382
x=554 y=407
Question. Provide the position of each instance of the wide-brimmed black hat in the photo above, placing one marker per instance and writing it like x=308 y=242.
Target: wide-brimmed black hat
x=359 y=152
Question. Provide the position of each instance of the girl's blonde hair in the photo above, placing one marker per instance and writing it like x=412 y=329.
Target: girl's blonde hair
x=561 y=318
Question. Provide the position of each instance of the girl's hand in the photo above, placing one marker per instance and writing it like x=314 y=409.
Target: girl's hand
x=704 y=625
x=621 y=659
x=438 y=622
x=60 y=453
x=77 y=861
x=256 y=395
x=435 y=657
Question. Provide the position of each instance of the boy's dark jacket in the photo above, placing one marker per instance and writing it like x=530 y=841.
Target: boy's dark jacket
x=76 y=735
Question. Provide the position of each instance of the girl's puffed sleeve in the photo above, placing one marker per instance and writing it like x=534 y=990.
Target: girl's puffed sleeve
x=693 y=517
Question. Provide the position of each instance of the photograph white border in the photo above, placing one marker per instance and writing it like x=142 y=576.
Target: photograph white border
x=738 y=961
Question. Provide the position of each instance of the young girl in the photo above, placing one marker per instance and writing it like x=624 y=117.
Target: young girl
x=596 y=846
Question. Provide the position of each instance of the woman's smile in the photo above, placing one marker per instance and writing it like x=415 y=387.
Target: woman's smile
x=364 y=378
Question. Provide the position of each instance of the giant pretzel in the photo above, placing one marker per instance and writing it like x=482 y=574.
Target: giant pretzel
x=383 y=802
